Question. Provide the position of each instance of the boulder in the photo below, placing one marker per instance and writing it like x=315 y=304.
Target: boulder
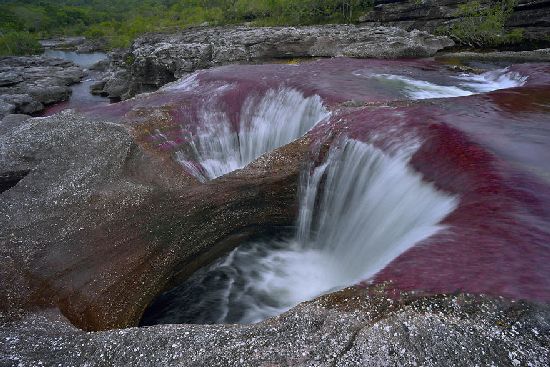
x=6 y=108
x=101 y=65
x=97 y=88
x=23 y=103
x=115 y=86
x=102 y=203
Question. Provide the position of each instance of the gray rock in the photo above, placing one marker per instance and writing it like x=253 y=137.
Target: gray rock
x=542 y=55
x=97 y=87
x=102 y=65
x=157 y=59
x=30 y=83
x=78 y=44
x=6 y=108
x=23 y=103
x=73 y=186
x=353 y=327
x=63 y=43
x=116 y=85
x=532 y=17
x=9 y=78
x=47 y=93
x=15 y=118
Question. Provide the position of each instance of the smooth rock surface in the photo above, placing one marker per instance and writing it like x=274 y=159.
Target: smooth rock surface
x=104 y=203
x=353 y=327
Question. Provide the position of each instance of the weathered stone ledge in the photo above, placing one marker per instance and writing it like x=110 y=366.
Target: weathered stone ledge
x=29 y=83
x=157 y=59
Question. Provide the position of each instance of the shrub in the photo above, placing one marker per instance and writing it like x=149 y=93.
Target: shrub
x=483 y=26
x=18 y=43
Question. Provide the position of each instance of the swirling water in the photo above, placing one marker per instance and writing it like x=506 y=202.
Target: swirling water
x=358 y=211
x=462 y=85
x=277 y=118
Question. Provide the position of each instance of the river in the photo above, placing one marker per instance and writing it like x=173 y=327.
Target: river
x=81 y=98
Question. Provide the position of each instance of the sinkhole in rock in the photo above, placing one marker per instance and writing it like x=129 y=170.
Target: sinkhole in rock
x=266 y=123
x=359 y=209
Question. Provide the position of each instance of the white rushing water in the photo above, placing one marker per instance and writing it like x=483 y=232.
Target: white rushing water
x=358 y=211
x=466 y=84
x=266 y=123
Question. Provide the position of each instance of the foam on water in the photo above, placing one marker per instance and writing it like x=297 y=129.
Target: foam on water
x=467 y=84
x=266 y=123
x=358 y=211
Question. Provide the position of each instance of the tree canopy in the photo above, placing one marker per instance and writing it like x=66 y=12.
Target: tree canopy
x=120 y=21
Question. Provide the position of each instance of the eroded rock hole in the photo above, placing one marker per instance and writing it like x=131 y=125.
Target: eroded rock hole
x=370 y=208
x=266 y=123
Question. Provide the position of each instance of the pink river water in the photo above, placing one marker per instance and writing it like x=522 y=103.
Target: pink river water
x=489 y=149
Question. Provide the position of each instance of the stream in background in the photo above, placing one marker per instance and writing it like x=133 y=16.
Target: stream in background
x=81 y=96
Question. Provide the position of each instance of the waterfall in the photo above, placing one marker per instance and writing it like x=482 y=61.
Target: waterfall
x=466 y=84
x=266 y=123
x=359 y=210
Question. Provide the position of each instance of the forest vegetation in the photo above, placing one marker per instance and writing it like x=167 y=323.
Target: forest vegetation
x=119 y=22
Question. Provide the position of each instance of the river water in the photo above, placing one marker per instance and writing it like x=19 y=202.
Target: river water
x=362 y=206
x=81 y=98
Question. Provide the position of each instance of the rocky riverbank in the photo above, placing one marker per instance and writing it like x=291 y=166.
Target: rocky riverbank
x=28 y=84
x=102 y=211
x=156 y=59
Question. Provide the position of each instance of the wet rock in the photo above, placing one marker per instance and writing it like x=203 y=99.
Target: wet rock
x=96 y=218
x=157 y=59
x=47 y=93
x=97 y=88
x=113 y=221
x=115 y=86
x=102 y=65
x=30 y=83
x=353 y=327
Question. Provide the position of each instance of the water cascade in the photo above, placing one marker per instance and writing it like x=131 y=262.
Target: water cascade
x=462 y=85
x=266 y=123
x=359 y=210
